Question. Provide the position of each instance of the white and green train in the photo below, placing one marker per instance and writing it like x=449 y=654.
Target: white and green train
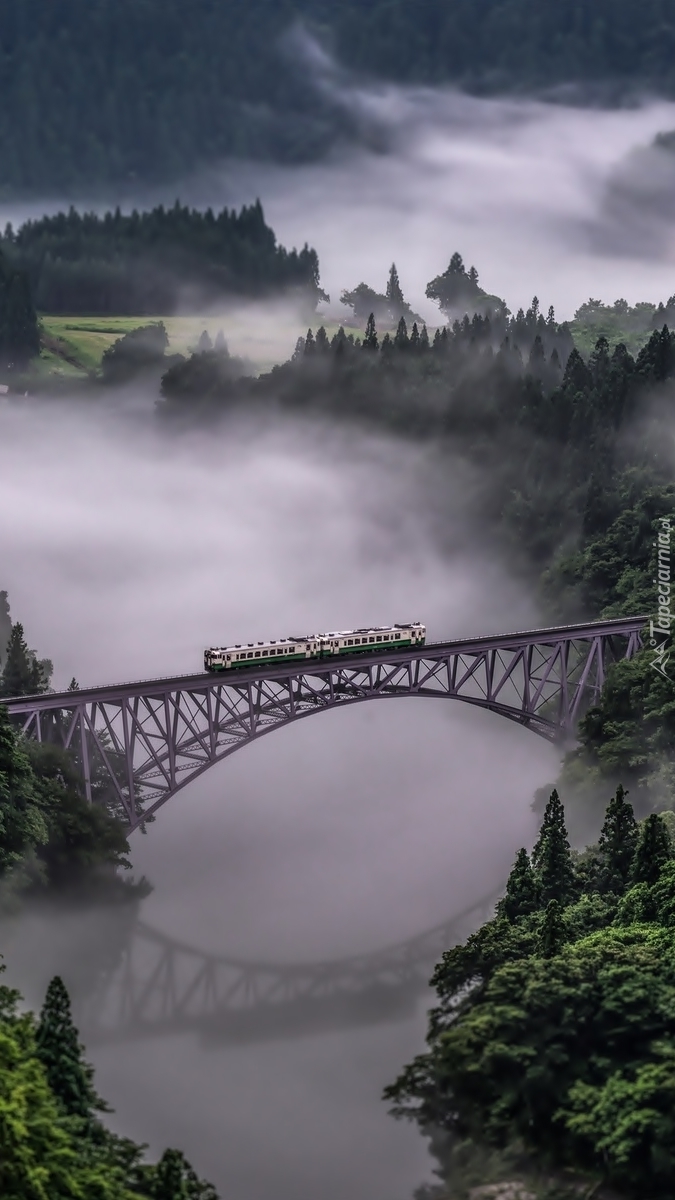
x=315 y=645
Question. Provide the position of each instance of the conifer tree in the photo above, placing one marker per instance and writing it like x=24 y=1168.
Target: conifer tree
x=424 y=339
x=552 y=934
x=322 y=343
x=220 y=345
x=204 y=342
x=653 y=851
x=617 y=842
x=551 y=856
x=415 y=338
x=401 y=339
x=5 y=624
x=59 y=1050
x=370 y=341
x=310 y=345
x=21 y=675
x=174 y=1179
x=394 y=294
x=521 y=895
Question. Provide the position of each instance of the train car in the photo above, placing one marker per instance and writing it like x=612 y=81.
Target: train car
x=315 y=646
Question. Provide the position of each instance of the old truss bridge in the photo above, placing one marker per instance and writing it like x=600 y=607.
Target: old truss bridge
x=143 y=742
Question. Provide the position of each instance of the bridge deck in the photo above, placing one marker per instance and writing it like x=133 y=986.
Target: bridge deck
x=431 y=650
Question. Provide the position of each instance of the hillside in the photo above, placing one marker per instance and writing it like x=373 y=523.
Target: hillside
x=97 y=93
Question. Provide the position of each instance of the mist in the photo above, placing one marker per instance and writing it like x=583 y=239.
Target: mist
x=561 y=200
x=128 y=550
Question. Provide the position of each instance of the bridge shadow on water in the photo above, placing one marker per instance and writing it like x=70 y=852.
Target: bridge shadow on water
x=151 y=985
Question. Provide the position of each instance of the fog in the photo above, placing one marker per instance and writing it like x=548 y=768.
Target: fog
x=562 y=202
x=126 y=550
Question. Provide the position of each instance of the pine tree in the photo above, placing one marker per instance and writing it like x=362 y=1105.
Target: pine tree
x=552 y=933
x=174 y=1179
x=370 y=341
x=310 y=345
x=5 y=624
x=617 y=842
x=424 y=339
x=415 y=338
x=322 y=343
x=551 y=856
x=204 y=342
x=394 y=294
x=220 y=345
x=21 y=674
x=521 y=895
x=653 y=851
x=60 y=1052
x=401 y=338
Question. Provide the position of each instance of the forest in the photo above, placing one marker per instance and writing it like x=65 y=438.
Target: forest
x=574 y=462
x=549 y=1051
x=154 y=261
x=99 y=94
x=55 y=1145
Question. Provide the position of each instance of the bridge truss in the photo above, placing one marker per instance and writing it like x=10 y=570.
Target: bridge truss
x=141 y=743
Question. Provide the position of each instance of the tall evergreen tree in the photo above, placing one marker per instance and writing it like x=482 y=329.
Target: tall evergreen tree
x=521 y=896
x=370 y=341
x=617 y=842
x=59 y=1050
x=551 y=856
x=552 y=934
x=401 y=340
x=5 y=625
x=174 y=1179
x=19 y=333
x=653 y=851
x=21 y=675
x=394 y=294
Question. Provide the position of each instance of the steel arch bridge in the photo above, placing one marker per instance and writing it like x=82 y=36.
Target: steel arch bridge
x=148 y=740
x=161 y=986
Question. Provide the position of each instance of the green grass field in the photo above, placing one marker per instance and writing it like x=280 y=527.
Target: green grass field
x=74 y=346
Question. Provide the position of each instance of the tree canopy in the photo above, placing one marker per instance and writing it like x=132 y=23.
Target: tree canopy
x=98 y=93
x=149 y=262
x=54 y=1145
x=553 y=1025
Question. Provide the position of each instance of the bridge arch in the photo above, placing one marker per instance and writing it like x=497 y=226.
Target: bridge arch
x=150 y=739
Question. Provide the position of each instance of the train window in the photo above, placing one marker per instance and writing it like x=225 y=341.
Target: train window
x=378 y=638
x=257 y=654
x=250 y=654
x=371 y=639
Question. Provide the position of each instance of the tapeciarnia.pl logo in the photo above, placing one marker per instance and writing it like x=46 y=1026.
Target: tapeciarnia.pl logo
x=660 y=630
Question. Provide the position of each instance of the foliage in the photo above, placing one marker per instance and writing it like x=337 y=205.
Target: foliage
x=54 y=1146
x=19 y=335
x=553 y=1028
x=23 y=827
x=22 y=674
x=135 y=352
x=457 y=291
x=50 y=836
x=155 y=261
x=96 y=93
x=388 y=308
x=59 y=1050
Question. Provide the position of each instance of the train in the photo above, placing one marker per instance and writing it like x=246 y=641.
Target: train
x=315 y=646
